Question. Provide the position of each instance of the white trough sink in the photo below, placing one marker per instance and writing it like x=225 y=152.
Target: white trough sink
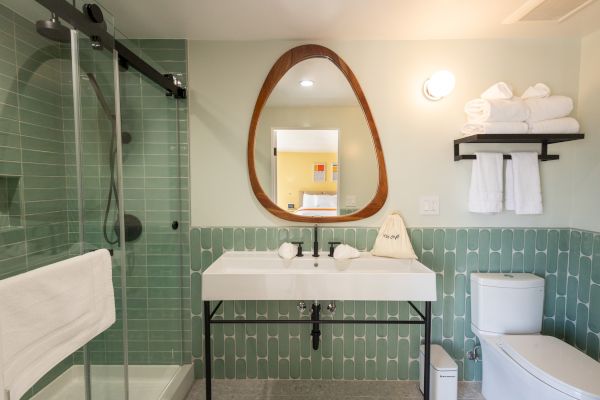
x=257 y=275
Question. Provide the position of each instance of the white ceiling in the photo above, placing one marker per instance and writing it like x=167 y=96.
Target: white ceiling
x=330 y=86
x=305 y=140
x=338 y=19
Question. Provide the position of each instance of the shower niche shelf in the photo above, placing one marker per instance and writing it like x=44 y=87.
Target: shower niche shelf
x=543 y=139
x=10 y=202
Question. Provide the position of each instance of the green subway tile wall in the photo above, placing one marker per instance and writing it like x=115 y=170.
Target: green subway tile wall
x=568 y=259
x=33 y=139
x=32 y=148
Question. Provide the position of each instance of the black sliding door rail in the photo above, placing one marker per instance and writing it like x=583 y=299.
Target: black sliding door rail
x=79 y=21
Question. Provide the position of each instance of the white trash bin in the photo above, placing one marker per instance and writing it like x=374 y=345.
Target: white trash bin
x=444 y=374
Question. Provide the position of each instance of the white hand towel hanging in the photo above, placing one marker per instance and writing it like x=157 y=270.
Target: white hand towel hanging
x=523 y=187
x=509 y=187
x=485 y=192
x=50 y=312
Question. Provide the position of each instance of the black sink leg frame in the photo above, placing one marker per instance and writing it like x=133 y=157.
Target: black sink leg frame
x=425 y=319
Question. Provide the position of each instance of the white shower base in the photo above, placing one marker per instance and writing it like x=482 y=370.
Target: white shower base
x=146 y=382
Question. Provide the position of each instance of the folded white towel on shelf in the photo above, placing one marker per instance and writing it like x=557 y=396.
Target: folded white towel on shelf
x=494 y=127
x=49 y=313
x=523 y=187
x=287 y=251
x=481 y=110
x=485 y=192
x=537 y=91
x=558 y=125
x=499 y=90
x=548 y=108
x=345 y=252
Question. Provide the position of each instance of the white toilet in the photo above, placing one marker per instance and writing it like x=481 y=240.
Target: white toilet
x=518 y=362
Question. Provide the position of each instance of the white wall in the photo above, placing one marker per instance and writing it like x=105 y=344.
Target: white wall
x=225 y=78
x=586 y=177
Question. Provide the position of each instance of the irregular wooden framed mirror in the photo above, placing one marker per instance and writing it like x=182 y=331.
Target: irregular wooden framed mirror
x=314 y=153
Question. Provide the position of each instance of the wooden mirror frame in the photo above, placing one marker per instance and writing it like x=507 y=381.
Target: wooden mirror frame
x=279 y=69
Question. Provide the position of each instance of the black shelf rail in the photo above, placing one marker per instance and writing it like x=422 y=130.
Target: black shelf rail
x=82 y=23
x=543 y=139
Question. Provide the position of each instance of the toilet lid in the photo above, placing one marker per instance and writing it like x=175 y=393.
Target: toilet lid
x=556 y=363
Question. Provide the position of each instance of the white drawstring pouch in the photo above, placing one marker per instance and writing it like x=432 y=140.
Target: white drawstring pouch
x=392 y=239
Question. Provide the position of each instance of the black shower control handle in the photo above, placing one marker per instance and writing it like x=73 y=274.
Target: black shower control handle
x=174 y=225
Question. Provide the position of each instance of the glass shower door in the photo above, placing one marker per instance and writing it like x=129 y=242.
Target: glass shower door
x=154 y=195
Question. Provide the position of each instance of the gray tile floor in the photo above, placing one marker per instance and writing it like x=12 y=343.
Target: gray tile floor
x=330 y=390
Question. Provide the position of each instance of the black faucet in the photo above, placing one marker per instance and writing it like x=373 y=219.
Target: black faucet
x=316 y=244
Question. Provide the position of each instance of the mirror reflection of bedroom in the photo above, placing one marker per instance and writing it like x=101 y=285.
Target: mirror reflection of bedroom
x=307 y=171
x=314 y=151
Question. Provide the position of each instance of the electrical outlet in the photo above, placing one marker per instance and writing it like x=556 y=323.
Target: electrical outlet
x=429 y=205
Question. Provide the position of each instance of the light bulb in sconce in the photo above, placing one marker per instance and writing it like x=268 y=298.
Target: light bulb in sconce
x=439 y=85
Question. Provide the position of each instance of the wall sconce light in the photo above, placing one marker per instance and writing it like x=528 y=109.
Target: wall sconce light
x=439 y=85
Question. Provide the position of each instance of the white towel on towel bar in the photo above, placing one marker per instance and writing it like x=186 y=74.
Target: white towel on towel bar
x=558 y=125
x=548 y=108
x=485 y=193
x=523 y=188
x=481 y=110
x=49 y=313
x=494 y=127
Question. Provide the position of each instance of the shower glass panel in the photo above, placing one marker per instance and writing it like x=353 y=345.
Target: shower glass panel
x=155 y=198
x=95 y=182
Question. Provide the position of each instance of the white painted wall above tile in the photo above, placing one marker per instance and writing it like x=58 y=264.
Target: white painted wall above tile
x=416 y=134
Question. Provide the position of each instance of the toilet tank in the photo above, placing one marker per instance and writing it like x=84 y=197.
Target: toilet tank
x=506 y=303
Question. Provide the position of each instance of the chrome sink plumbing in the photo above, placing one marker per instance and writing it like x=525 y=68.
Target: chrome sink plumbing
x=331 y=307
x=475 y=354
x=315 y=315
x=301 y=306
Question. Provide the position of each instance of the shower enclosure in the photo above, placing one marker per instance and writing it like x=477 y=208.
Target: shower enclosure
x=93 y=154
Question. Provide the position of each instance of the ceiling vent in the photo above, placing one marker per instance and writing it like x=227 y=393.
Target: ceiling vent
x=546 y=11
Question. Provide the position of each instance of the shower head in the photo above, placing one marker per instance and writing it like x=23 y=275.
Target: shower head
x=52 y=29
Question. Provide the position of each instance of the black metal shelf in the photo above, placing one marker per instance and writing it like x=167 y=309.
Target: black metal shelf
x=543 y=139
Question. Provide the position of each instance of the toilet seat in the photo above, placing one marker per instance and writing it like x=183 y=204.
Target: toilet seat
x=555 y=363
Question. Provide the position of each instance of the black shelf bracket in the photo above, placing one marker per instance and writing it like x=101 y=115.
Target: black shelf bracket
x=543 y=139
